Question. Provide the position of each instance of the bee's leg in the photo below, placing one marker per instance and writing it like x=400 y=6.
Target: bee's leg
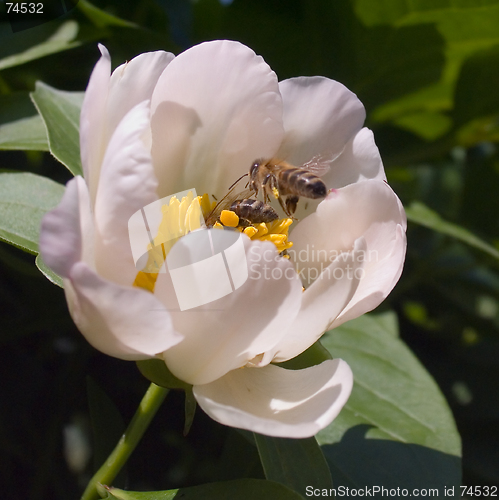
x=291 y=202
x=283 y=206
x=273 y=186
x=244 y=222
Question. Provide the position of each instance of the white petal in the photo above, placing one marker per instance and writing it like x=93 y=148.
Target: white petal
x=124 y=322
x=320 y=116
x=380 y=278
x=278 y=402
x=359 y=161
x=132 y=83
x=66 y=234
x=368 y=209
x=93 y=121
x=229 y=332
x=127 y=183
x=216 y=108
x=322 y=302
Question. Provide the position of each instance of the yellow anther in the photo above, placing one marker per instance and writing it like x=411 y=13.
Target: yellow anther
x=206 y=205
x=280 y=226
x=147 y=281
x=194 y=215
x=262 y=229
x=229 y=218
x=250 y=231
x=178 y=219
x=277 y=238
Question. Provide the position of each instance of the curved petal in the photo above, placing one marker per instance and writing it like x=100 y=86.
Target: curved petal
x=278 y=402
x=124 y=322
x=378 y=281
x=215 y=109
x=320 y=116
x=93 y=121
x=133 y=83
x=368 y=209
x=66 y=234
x=360 y=160
x=127 y=183
x=229 y=332
x=328 y=295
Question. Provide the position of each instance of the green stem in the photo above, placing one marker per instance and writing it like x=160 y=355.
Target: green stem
x=148 y=407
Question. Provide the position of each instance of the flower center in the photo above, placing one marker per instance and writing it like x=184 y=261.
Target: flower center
x=275 y=231
x=179 y=218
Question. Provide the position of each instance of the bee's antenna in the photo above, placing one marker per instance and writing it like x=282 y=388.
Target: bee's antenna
x=244 y=175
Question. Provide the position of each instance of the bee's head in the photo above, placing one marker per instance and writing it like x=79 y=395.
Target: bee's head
x=254 y=168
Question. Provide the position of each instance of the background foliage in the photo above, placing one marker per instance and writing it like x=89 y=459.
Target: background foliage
x=428 y=74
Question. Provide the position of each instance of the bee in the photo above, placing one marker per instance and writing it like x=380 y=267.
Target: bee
x=253 y=211
x=280 y=178
x=248 y=210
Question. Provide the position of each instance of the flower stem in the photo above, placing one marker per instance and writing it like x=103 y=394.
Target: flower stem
x=148 y=407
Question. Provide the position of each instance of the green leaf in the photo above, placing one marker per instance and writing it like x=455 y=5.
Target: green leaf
x=420 y=214
x=422 y=11
x=47 y=272
x=314 y=355
x=100 y=18
x=467 y=27
x=476 y=91
x=60 y=112
x=396 y=429
x=190 y=410
x=63 y=38
x=390 y=63
x=242 y=489
x=296 y=463
x=21 y=127
x=428 y=125
x=24 y=199
x=157 y=372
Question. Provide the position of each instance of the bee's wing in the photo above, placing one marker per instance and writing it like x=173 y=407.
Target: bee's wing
x=320 y=164
x=226 y=202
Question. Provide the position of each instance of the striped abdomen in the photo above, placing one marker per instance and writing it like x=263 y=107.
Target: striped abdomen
x=255 y=211
x=300 y=182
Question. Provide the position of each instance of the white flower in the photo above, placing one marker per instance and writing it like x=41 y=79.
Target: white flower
x=161 y=124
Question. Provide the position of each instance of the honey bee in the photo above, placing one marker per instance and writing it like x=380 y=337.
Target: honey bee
x=248 y=210
x=280 y=178
x=253 y=211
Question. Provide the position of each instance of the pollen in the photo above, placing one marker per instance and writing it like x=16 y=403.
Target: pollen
x=276 y=192
x=250 y=231
x=178 y=219
x=276 y=232
x=229 y=218
x=206 y=205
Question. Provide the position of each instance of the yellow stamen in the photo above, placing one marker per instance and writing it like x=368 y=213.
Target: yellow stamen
x=250 y=231
x=229 y=218
x=206 y=205
x=276 y=232
x=262 y=229
x=179 y=218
